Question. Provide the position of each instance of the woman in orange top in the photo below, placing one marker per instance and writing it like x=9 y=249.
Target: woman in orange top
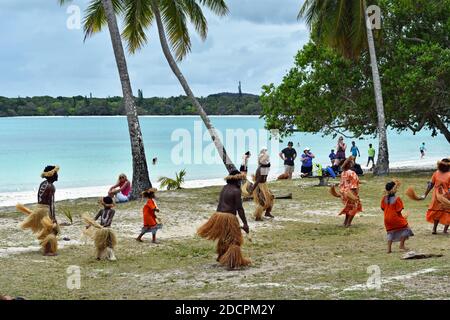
x=396 y=225
x=349 y=188
x=437 y=211
x=150 y=221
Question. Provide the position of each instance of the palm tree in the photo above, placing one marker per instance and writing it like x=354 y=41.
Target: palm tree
x=342 y=24
x=170 y=17
x=173 y=184
x=98 y=14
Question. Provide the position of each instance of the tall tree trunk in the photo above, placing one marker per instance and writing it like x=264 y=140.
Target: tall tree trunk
x=382 y=166
x=442 y=127
x=176 y=70
x=141 y=180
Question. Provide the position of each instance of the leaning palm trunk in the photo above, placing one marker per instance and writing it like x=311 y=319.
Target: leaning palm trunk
x=382 y=166
x=173 y=65
x=141 y=180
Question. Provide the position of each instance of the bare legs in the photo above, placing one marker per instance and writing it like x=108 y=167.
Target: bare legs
x=348 y=220
x=139 y=238
x=401 y=247
x=436 y=223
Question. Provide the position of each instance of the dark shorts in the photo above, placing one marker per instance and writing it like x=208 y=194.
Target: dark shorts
x=307 y=169
x=243 y=168
x=371 y=159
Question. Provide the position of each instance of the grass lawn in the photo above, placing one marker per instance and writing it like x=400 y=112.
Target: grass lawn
x=304 y=253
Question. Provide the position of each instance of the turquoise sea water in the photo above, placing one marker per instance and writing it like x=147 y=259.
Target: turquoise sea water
x=92 y=151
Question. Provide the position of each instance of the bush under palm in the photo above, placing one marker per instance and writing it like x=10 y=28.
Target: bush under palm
x=173 y=184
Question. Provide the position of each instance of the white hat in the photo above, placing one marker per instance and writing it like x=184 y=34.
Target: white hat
x=307 y=149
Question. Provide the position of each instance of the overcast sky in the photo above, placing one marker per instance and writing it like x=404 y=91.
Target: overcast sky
x=39 y=55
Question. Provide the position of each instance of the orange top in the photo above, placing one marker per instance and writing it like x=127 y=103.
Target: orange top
x=149 y=213
x=349 y=181
x=393 y=219
x=441 y=183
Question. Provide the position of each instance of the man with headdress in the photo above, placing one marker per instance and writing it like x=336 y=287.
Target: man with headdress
x=42 y=220
x=349 y=192
x=262 y=196
x=224 y=224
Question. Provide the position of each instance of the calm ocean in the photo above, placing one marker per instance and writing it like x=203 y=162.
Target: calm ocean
x=92 y=151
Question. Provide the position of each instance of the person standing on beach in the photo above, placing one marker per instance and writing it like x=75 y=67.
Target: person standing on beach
x=244 y=165
x=262 y=196
x=355 y=151
x=422 y=150
x=340 y=153
x=439 y=209
x=223 y=225
x=46 y=192
x=288 y=155
x=332 y=156
x=371 y=154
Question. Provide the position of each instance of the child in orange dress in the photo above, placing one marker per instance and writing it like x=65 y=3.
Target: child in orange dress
x=396 y=225
x=150 y=220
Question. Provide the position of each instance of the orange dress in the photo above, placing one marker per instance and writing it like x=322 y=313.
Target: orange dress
x=350 y=183
x=393 y=219
x=149 y=214
x=436 y=211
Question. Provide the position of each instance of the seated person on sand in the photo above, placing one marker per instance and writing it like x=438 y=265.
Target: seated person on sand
x=307 y=163
x=121 y=190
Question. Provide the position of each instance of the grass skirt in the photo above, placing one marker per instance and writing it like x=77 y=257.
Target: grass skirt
x=263 y=199
x=49 y=244
x=34 y=219
x=224 y=227
x=105 y=241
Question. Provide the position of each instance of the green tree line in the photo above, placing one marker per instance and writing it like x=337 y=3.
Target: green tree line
x=216 y=104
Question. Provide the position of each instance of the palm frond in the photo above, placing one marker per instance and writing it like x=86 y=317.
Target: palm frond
x=196 y=16
x=174 y=19
x=138 y=17
x=218 y=7
x=95 y=17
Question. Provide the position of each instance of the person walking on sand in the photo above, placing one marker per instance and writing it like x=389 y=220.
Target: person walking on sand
x=396 y=225
x=121 y=190
x=371 y=156
x=439 y=209
x=288 y=155
x=355 y=151
x=223 y=225
x=244 y=165
x=151 y=222
x=422 y=150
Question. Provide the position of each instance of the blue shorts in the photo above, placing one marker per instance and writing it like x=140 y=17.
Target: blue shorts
x=153 y=229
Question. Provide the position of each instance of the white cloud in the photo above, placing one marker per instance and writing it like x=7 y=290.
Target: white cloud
x=256 y=44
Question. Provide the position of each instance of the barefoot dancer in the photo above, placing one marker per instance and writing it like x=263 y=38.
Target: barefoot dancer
x=224 y=224
x=262 y=196
x=104 y=237
x=349 y=189
x=396 y=225
x=42 y=220
x=150 y=220
x=438 y=212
